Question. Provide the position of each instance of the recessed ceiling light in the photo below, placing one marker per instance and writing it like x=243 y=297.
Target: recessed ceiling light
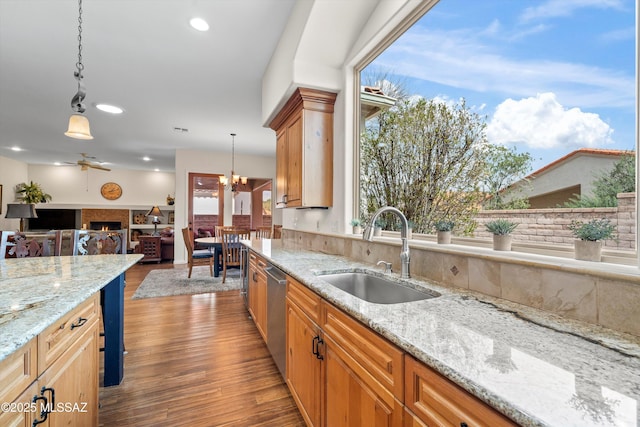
x=146 y=158
x=199 y=24
x=156 y=170
x=16 y=148
x=109 y=108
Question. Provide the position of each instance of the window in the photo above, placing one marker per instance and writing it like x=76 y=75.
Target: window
x=557 y=84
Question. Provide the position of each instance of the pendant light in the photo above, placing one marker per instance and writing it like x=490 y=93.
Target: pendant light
x=235 y=179
x=79 y=124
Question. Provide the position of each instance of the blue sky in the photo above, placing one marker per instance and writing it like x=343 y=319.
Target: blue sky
x=551 y=76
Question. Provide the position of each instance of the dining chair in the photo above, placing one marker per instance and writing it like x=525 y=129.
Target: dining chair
x=220 y=228
x=232 y=249
x=196 y=257
x=30 y=244
x=263 y=232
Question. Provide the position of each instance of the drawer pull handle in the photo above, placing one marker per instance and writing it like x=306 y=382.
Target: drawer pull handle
x=463 y=424
x=81 y=321
x=315 y=347
x=44 y=414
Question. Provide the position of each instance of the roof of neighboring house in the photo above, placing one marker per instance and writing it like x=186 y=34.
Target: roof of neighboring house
x=581 y=151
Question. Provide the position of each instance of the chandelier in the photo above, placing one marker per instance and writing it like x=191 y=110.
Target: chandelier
x=79 y=124
x=235 y=179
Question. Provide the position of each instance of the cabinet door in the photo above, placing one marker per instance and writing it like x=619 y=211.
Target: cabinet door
x=261 y=303
x=281 y=168
x=353 y=396
x=294 y=161
x=74 y=379
x=304 y=369
x=252 y=288
x=20 y=414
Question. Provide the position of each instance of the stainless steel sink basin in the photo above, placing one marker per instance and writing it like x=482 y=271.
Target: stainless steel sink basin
x=375 y=289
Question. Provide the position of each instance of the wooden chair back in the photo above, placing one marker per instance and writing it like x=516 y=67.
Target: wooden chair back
x=95 y=242
x=30 y=244
x=263 y=233
x=220 y=228
x=232 y=249
x=199 y=257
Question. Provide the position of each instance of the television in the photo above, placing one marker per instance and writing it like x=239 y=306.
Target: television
x=54 y=219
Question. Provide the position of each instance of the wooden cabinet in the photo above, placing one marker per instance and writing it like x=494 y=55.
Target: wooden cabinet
x=257 y=290
x=365 y=364
x=62 y=362
x=304 y=374
x=436 y=401
x=304 y=150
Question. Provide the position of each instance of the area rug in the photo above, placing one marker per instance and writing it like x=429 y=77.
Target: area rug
x=169 y=282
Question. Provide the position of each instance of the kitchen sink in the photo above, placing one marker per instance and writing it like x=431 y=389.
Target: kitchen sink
x=376 y=289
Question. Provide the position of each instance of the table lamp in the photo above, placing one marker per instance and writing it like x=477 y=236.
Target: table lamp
x=155 y=212
x=22 y=211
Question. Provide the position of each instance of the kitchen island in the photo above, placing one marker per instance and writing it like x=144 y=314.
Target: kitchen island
x=36 y=292
x=532 y=366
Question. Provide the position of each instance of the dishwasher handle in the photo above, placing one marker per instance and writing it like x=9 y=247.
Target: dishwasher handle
x=279 y=280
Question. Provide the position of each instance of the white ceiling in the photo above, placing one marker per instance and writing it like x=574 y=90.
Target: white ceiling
x=141 y=55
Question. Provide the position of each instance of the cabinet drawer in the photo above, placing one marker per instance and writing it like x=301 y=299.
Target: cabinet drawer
x=61 y=334
x=438 y=402
x=18 y=371
x=305 y=298
x=383 y=360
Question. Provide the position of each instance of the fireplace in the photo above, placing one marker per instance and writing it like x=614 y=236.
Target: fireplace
x=105 y=225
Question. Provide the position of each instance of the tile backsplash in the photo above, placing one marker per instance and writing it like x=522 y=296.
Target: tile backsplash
x=592 y=296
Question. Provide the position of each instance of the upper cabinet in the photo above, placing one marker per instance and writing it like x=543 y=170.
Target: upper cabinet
x=304 y=151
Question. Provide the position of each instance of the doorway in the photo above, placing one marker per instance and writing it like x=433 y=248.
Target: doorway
x=206 y=207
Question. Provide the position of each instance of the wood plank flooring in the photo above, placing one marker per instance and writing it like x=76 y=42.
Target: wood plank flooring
x=194 y=360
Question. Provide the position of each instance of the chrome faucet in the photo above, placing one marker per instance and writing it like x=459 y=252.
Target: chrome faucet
x=404 y=254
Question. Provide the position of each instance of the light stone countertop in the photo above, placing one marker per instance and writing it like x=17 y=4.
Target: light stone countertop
x=536 y=368
x=36 y=292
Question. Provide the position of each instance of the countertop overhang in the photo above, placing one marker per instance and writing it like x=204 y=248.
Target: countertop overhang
x=36 y=292
x=533 y=366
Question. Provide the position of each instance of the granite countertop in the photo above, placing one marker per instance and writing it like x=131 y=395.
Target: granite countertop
x=536 y=368
x=36 y=292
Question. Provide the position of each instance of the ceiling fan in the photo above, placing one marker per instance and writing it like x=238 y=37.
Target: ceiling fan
x=85 y=163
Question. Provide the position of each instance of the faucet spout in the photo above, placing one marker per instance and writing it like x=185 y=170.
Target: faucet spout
x=405 y=257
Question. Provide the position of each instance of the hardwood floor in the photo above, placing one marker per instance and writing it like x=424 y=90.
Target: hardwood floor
x=194 y=360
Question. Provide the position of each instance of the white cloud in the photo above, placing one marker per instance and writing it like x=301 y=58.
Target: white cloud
x=459 y=59
x=556 y=8
x=542 y=122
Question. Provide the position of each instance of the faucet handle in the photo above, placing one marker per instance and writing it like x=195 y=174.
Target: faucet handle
x=387 y=266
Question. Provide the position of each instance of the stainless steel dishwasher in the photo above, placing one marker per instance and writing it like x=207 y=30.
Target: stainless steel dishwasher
x=276 y=315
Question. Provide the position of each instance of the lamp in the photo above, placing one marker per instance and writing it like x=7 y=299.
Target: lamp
x=79 y=124
x=22 y=211
x=235 y=179
x=155 y=212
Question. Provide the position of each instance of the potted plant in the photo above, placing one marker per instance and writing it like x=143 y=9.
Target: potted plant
x=501 y=229
x=32 y=193
x=443 y=231
x=378 y=226
x=356 y=223
x=588 y=245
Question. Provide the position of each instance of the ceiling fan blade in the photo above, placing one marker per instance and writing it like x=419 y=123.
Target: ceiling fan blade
x=100 y=167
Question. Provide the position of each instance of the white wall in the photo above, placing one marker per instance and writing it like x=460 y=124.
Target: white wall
x=69 y=185
x=12 y=173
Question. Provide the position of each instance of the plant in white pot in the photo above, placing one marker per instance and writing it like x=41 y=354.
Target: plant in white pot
x=501 y=229
x=356 y=223
x=444 y=228
x=378 y=226
x=588 y=245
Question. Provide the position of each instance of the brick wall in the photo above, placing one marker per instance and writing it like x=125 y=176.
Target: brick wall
x=551 y=225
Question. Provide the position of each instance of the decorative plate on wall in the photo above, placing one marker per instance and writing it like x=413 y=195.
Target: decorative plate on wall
x=111 y=191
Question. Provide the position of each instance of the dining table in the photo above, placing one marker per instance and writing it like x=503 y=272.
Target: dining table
x=213 y=244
